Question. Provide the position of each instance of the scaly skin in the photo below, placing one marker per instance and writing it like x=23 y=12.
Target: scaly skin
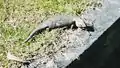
x=57 y=22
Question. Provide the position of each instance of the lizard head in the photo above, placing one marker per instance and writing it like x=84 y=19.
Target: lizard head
x=79 y=22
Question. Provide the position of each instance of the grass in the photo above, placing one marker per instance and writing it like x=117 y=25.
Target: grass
x=19 y=17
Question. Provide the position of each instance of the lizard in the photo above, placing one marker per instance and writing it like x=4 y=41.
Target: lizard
x=58 y=22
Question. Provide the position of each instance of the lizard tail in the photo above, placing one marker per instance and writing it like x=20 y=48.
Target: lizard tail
x=36 y=31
